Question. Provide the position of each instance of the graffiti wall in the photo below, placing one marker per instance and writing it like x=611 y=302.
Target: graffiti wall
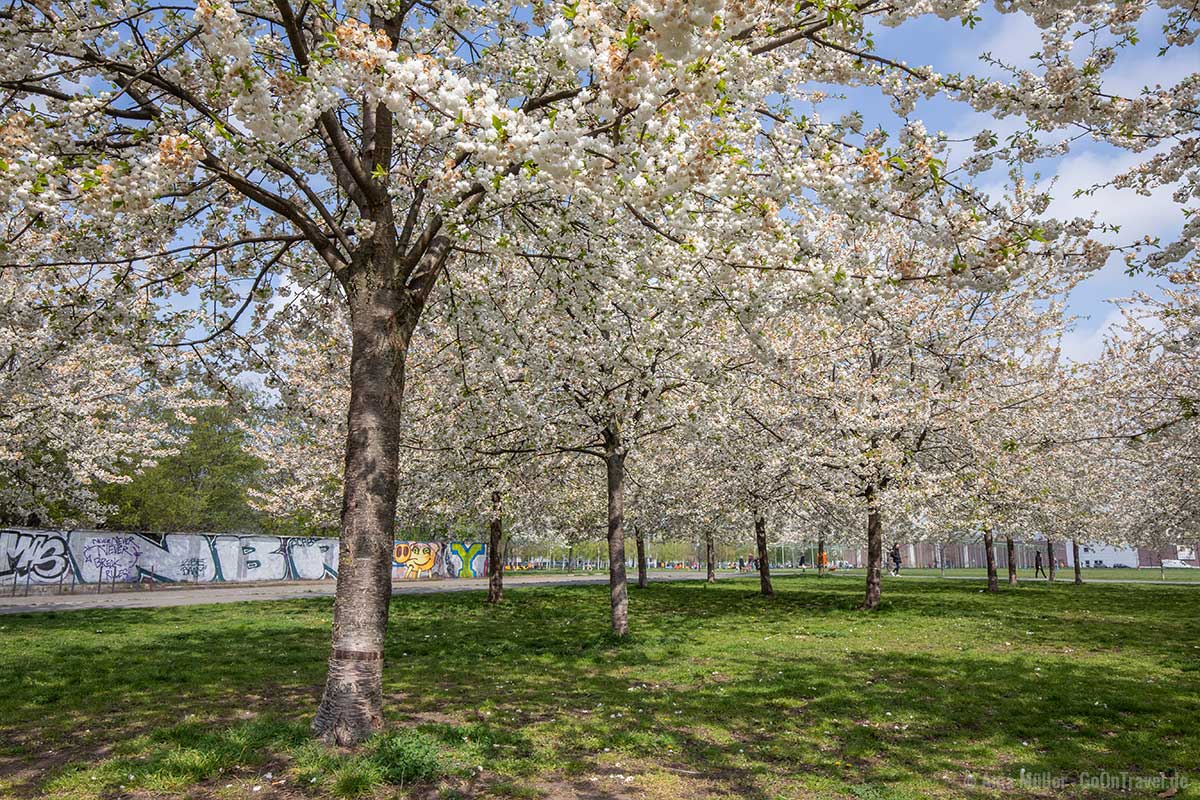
x=414 y=560
x=43 y=557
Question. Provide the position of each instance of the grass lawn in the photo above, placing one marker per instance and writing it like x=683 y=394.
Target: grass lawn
x=719 y=693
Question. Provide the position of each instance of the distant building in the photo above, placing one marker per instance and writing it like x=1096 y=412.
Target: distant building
x=1149 y=557
x=1102 y=555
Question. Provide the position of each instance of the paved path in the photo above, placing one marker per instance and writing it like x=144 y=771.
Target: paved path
x=200 y=595
x=247 y=592
x=1003 y=575
x=1060 y=579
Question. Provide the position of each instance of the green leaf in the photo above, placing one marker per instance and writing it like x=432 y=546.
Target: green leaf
x=499 y=126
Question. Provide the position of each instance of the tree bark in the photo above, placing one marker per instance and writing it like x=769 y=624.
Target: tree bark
x=570 y=558
x=989 y=545
x=710 y=556
x=1052 y=569
x=614 y=459
x=1011 y=550
x=382 y=321
x=820 y=556
x=643 y=578
x=874 y=552
x=495 y=547
x=764 y=566
x=1075 y=555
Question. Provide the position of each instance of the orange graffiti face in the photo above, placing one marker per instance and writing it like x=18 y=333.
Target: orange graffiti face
x=421 y=557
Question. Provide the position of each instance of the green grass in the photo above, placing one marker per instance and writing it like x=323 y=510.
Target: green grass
x=719 y=692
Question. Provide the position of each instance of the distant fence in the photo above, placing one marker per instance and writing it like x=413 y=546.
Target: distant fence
x=55 y=557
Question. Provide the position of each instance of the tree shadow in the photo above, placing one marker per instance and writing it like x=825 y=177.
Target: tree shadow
x=942 y=682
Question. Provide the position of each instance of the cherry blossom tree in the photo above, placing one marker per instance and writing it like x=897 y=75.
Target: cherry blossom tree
x=78 y=406
x=215 y=157
x=1144 y=393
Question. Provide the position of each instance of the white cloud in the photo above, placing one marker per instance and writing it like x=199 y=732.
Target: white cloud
x=1009 y=38
x=1138 y=215
x=1086 y=342
x=1129 y=76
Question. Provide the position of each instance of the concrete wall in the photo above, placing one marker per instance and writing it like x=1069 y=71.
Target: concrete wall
x=51 y=557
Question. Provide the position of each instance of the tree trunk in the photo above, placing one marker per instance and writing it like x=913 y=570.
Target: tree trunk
x=1075 y=554
x=643 y=578
x=942 y=560
x=570 y=558
x=710 y=556
x=764 y=567
x=1011 y=550
x=1053 y=568
x=351 y=707
x=989 y=545
x=874 y=552
x=820 y=556
x=614 y=459
x=495 y=547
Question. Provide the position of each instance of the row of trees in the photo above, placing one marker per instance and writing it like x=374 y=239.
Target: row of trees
x=508 y=253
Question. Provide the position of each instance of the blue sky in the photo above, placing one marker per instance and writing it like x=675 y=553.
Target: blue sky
x=949 y=47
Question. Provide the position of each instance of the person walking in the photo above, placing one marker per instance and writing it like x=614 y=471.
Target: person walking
x=1037 y=565
x=896 y=558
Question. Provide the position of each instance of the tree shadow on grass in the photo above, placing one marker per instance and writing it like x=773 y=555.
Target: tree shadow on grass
x=950 y=712
x=716 y=680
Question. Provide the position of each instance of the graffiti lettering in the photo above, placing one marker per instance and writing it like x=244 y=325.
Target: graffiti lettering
x=36 y=557
x=192 y=567
x=466 y=559
x=100 y=556
x=114 y=557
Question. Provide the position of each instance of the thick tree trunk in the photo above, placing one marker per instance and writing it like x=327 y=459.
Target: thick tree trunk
x=643 y=578
x=1075 y=555
x=764 y=566
x=1011 y=551
x=614 y=459
x=710 y=555
x=1052 y=569
x=351 y=707
x=820 y=556
x=874 y=553
x=496 y=549
x=989 y=545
